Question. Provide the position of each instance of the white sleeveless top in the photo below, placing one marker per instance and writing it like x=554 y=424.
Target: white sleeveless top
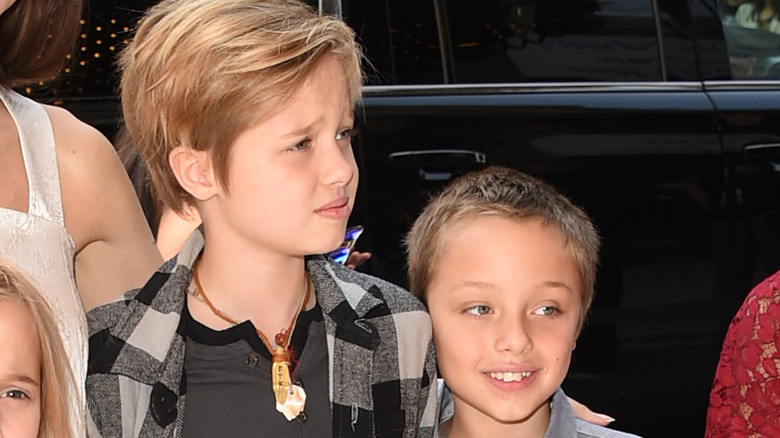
x=38 y=243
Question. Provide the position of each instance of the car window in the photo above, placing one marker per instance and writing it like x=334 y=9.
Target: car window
x=548 y=40
x=752 y=32
x=400 y=40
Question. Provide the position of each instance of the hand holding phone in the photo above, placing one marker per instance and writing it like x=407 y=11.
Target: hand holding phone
x=341 y=254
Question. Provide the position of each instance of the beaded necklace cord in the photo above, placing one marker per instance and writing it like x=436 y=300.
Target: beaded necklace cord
x=290 y=398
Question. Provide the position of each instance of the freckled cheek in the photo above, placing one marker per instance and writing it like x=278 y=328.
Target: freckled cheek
x=564 y=356
x=558 y=344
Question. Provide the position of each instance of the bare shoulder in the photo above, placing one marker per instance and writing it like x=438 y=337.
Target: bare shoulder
x=66 y=124
x=77 y=143
x=115 y=249
x=87 y=162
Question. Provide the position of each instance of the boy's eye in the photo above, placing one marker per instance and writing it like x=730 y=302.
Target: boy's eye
x=300 y=146
x=346 y=134
x=479 y=310
x=546 y=311
x=14 y=393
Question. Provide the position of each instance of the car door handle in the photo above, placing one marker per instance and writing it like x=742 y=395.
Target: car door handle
x=760 y=147
x=439 y=155
x=438 y=164
x=769 y=152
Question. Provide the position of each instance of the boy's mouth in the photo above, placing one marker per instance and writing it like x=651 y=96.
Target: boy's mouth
x=510 y=377
x=337 y=209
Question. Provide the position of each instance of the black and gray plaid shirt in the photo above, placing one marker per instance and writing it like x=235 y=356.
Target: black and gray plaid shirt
x=380 y=352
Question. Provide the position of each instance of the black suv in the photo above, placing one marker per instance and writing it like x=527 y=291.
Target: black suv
x=660 y=117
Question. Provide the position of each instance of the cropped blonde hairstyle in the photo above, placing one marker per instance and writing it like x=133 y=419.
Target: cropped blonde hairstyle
x=509 y=194
x=57 y=387
x=200 y=72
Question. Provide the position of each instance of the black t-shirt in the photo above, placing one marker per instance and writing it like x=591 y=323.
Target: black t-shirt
x=228 y=381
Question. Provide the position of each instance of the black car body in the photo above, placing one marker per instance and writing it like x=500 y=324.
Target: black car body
x=661 y=118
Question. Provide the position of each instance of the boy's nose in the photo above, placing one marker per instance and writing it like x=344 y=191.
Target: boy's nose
x=339 y=165
x=512 y=336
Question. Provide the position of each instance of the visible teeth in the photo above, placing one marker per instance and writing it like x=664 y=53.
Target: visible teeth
x=510 y=377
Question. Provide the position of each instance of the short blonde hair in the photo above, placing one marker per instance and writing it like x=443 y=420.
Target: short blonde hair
x=57 y=387
x=200 y=72
x=506 y=193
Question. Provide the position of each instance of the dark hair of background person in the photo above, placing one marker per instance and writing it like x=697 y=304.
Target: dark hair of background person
x=139 y=176
x=33 y=36
x=759 y=6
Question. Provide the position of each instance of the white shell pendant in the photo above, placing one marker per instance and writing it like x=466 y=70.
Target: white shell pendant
x=293 y=403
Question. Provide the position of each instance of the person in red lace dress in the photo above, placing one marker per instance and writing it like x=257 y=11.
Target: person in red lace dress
x=745 y=396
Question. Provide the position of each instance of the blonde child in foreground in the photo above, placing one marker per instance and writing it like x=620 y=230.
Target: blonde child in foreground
x=243 y=110
x=35 y=379
x=506 y=266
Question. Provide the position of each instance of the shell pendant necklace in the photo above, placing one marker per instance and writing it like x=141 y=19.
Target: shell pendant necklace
x=290 y=398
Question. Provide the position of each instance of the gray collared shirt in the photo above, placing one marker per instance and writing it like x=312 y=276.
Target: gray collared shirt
x=563 y=422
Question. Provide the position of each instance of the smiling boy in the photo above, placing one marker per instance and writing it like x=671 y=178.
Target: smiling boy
x=506 y=266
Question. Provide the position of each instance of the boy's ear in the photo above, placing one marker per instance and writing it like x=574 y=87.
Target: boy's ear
x=193 y=170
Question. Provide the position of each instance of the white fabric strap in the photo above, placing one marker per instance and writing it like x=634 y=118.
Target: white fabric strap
x=40 y=156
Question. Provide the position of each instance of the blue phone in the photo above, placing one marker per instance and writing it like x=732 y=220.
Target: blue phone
x=341 y=254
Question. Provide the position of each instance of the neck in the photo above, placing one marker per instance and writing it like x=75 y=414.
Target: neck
x=267 y=290
x=469 y=423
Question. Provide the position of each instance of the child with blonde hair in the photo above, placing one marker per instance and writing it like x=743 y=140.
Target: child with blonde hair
x=36 y=384
x=506 y=266
x=244 y=110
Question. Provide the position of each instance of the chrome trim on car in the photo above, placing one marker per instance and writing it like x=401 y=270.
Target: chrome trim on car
x=660 y=35
x=756 y=147
x=442 y=29
x=409 y=90
x=477 y=157
x=743 y=85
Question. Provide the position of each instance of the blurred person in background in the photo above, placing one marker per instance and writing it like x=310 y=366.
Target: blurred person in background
x=759 y=14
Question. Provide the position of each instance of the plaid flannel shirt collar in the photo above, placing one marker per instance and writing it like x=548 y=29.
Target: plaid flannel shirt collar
x=346 y=303
x=148 y=321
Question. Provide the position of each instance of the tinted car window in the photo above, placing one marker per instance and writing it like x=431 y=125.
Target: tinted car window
x=753 y=43
x=400 y=39
x=567 y=40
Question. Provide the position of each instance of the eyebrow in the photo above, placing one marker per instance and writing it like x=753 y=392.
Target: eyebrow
x=557 y=284
x=305 y=130
x=20 y=378
x=474 y=284
x=487 y=285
